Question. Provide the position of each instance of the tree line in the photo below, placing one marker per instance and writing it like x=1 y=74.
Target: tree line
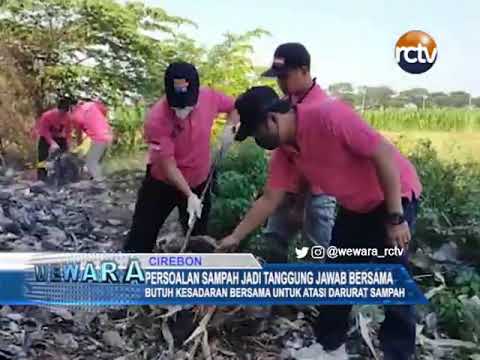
x=383 y=96
x=118 y=51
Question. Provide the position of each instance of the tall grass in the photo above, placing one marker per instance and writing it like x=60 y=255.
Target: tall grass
x=426 y=120
x=128 y=123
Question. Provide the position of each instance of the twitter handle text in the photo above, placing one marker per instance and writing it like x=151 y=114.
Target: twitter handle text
x=333 y=252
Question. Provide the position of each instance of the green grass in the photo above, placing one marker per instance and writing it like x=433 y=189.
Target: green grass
x=450 y=146
x=130 y=161
x=425 y=120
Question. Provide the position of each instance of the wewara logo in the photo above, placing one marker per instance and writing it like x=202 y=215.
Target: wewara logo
x=416 y=52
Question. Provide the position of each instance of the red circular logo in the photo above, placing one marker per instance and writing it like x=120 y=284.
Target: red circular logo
x=416 y=52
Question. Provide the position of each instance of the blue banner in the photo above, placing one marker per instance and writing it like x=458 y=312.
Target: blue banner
x=132 y=280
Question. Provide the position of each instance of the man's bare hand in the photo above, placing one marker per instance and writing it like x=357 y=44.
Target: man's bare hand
x=296 y=217
x=399 y=235
x=227 y=244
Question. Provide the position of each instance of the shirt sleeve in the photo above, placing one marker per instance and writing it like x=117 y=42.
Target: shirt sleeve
x=352 y=130
x=158 y=134
x=102 y=107
x=282 y=173
x=225 y=103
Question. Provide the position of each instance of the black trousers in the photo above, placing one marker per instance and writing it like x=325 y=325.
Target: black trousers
x=156 y=200
x=397 y=332
x=43 y=148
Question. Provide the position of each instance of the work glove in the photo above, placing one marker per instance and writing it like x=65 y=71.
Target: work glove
x=194 y=209
x=228 y=136
x=82 y=149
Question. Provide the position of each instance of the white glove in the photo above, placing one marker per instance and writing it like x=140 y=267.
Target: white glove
x=228 y=135
x=53 y=147
x=194 y=209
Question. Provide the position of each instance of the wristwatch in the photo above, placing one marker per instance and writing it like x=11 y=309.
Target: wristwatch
x=395 y=218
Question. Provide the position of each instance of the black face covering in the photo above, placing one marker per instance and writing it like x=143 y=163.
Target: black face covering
x=182 y=85
x=65 y=104
x=268 y=141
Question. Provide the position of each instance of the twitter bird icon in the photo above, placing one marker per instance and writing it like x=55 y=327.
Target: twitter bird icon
x=301 y=253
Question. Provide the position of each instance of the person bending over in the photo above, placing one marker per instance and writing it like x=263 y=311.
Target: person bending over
x=338 y=154
x=177 y=130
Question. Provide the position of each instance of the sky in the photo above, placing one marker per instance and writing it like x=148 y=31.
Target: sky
x=350 y=40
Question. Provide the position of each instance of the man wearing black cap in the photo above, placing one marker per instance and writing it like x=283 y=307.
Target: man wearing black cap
x=377 y=189
x=177 y=130
x=54 y=131
x=291 y=67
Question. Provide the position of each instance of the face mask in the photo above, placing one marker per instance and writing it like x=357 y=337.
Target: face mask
x=183 y=112
x=268 y=141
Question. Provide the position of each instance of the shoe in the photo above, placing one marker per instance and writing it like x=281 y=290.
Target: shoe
x=338 y=354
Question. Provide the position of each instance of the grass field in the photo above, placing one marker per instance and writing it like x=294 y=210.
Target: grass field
x=450 y=145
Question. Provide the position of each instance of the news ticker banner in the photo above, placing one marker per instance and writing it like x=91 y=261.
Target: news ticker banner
x=116 y=279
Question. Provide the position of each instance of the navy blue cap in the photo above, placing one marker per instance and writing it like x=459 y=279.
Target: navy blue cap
x=288 y=56
x=253 y=107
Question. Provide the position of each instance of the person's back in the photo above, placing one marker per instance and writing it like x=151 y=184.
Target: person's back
x=90 y=118
x=53 y=130
x=347 y=143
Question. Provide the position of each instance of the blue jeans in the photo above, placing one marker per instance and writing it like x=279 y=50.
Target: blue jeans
x=398 y=331
x=319 y=218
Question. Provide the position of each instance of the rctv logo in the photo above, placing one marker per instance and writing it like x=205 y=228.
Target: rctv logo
x=416 y=52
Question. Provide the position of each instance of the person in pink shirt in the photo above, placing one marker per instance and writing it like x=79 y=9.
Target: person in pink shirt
x=177 y=131
x=54 y=132
x=90 y=118
x=312 y=215
x=338 y=154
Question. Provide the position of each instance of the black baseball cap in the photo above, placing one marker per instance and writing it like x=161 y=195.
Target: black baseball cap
x=182 y=84
x=66 y=102
x=253 y=107
x=288 y=56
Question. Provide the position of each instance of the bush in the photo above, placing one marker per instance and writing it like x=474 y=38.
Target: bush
x=450 y=189
x=17 y=113
x=241 y=177
x=459 y=306
x=127 y=123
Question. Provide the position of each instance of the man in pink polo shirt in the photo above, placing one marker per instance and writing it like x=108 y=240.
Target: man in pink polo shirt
x=177 y=130
x=90 y=117
x=313 y=214
x=339 y=154
x=54 y=131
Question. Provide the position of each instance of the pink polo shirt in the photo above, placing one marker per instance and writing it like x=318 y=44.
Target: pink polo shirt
x=54 y=124
x=334 y=155
x=102 y=107
x=90 y=118
x=186 y=141
x=314 y=95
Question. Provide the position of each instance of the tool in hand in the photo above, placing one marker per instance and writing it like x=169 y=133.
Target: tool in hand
x=227 y=140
